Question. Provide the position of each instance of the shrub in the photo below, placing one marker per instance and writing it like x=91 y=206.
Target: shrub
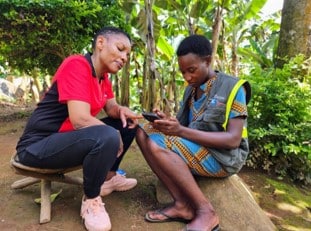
x=280 y=120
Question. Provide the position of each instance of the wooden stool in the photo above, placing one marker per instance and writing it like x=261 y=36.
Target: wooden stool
x=46 y=176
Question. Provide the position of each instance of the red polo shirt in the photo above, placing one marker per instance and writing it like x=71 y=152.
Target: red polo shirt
x=75 y=79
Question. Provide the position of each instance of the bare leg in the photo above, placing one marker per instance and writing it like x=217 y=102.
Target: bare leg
x=190 y=202
x=181 y=206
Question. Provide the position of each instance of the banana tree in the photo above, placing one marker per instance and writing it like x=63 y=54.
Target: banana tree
x=237 y=19
x=158 y=25
x=262 y=43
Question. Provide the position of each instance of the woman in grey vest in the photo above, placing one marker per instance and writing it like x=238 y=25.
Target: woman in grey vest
x=208 y=137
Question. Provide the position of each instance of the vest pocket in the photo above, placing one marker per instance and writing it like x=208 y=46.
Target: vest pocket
x=215 y=114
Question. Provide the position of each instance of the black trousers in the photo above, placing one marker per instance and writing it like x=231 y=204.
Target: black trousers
x=95 y=148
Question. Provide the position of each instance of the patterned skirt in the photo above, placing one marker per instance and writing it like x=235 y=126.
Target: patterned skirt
x=196 y=156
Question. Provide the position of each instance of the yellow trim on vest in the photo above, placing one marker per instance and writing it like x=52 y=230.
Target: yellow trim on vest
x=229 y=105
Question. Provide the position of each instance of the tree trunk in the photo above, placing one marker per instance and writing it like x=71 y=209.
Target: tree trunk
x=235 y=61
x=295 y=33
x=216 y=31
x=151 y=73
x=125 y=86
x=116 y=87
x=36 y=87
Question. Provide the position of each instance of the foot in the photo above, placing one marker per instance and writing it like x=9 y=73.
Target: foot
x=216 y=228
x=205 y=220
x=181 y=214
x=117 y=183
x=165 y=217
x=94 y=215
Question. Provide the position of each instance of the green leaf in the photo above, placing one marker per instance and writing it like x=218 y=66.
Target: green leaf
x=52 y=197
x=198 y=9
x=165 y=48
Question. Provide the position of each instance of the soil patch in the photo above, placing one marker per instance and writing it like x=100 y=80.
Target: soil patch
x=287 y=204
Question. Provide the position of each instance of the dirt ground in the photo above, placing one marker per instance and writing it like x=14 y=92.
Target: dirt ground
x=19 y=212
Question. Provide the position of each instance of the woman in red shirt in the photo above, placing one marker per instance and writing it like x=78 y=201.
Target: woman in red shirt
x=64 y=131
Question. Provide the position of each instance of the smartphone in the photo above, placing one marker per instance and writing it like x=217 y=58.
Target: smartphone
x=150 y=116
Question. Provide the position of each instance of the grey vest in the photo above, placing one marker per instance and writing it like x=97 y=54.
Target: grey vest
x=215 y=116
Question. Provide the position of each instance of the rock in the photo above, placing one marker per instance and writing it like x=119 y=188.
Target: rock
x=7 y=90
x=233 y=202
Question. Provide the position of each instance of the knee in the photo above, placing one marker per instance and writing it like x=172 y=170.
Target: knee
x=105 y=134
x=133 y=131
x=140 y=135
x=129 y=133
x=110 y=134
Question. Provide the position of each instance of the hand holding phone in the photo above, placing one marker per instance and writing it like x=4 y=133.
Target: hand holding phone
x=150 y=116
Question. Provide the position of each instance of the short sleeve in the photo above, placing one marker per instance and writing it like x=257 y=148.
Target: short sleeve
x=239 y=107
x=73 y=80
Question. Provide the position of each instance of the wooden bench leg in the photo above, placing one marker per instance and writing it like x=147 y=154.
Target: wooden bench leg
x=46 y=176
x=45 y=210
x=19 y=184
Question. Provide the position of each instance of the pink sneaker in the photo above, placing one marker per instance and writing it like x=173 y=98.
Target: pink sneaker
x=117 y=183
x=94 y=214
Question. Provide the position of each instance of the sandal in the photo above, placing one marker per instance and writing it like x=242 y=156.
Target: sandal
x=216 y=228
x=166 y=219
